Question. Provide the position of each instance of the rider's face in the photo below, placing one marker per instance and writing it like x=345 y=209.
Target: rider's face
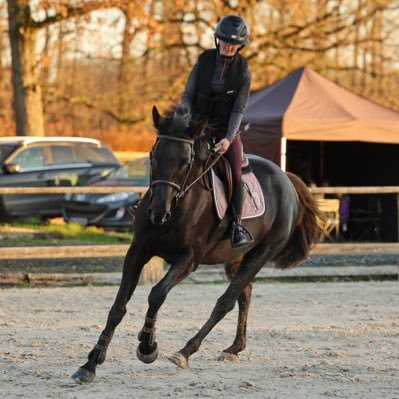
x=228 y=49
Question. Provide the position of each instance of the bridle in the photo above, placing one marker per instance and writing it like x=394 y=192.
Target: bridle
x=183 y=188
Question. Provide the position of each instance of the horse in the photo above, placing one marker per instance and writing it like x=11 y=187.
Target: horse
x=176 y=221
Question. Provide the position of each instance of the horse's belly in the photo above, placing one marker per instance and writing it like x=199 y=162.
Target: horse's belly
x=222 y=253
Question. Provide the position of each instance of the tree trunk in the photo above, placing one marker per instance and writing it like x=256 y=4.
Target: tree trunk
x=124 y=68
x=28 y=105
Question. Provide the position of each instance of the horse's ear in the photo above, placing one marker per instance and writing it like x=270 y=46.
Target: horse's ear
x=200 y=125
x=156 y=116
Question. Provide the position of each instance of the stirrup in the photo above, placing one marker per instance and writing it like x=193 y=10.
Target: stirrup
x=247 y=240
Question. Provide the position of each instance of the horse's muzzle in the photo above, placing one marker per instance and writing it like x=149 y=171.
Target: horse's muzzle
x=158 y=219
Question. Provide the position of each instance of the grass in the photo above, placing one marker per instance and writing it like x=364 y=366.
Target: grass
x=54 y=232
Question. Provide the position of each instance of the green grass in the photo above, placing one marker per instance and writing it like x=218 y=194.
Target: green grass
x=36 y=232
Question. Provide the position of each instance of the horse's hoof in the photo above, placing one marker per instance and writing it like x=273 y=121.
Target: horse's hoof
x=231 y=357
x=83 y=376
x=178 y=359
x=147 y=358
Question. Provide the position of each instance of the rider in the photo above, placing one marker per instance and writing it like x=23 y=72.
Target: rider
x=218 y=88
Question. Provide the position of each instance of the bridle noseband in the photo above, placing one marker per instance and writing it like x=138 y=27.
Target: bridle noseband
x=168 y=182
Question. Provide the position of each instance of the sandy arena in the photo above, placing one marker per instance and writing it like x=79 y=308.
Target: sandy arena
x=305 y=340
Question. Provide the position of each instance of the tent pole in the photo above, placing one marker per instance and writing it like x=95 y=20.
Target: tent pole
x=283 y=154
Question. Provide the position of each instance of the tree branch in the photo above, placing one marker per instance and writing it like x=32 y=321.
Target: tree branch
x=91 y=105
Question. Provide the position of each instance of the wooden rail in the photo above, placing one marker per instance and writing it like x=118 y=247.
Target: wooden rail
x=72 y=190
x=123 y=189
x=355 y=190
x=106 y=251
x=154 y=269
x=137 y=189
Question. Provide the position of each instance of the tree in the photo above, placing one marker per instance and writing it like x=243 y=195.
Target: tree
x=23 y=32
x=25 y=73
x=107 y=90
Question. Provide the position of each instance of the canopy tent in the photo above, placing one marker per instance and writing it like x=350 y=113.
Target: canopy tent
x=306 y=106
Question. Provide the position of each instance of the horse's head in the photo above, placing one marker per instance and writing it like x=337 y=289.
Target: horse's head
x=172 y=159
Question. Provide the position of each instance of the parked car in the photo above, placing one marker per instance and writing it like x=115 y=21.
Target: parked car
x=48 y=162
x=109 y=210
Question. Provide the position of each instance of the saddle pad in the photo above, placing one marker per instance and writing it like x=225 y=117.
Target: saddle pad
x=254 y=203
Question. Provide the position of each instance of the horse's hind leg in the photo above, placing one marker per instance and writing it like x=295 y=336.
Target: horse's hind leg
x=244 y=300
x=133 y=264
x=224 y=304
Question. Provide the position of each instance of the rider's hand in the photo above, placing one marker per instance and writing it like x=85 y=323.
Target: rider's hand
x=222 y=146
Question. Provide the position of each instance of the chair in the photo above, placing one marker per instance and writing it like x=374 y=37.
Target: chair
x=330 y=209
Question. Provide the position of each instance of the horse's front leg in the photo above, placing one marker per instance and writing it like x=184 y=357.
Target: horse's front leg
x=133 y=265
x=147 y=350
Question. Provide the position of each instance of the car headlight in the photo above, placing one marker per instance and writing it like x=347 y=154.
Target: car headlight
x=113 y=197
x=79 y=197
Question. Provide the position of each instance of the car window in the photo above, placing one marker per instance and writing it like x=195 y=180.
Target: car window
x=32 y=157
x=95 y=155
x=137 y=170
x=61 y=155
x=5 y=150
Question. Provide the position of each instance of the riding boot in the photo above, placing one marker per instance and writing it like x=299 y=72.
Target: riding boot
x=239 y=233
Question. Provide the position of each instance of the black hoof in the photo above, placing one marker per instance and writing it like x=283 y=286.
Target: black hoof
x=83 y=376
x=147 y=357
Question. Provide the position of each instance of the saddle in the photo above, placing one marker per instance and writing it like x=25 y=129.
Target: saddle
x=222 y=188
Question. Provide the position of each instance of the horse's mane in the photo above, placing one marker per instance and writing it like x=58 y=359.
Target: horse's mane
x=176 y=123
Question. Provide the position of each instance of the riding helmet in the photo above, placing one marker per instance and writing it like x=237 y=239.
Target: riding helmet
x=232 y=29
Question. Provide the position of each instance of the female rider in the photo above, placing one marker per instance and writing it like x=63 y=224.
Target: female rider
x=218 y=88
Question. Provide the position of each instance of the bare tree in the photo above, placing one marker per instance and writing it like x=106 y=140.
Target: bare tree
x=23 y=32
x=110 y=90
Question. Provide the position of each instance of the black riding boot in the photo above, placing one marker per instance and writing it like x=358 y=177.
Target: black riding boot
x=239 y=233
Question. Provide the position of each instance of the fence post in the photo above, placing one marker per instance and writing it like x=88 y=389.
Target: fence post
x=397 y=214
x=397 y=224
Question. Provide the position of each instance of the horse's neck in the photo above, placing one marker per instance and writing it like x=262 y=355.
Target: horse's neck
x=197 y=195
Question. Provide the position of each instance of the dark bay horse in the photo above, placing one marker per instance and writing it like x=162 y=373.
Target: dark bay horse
x=177 y=222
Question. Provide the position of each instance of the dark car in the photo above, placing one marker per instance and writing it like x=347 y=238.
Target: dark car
x=48 y=162
x=109 y=210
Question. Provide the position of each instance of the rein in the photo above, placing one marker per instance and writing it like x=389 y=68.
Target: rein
x=182 y=190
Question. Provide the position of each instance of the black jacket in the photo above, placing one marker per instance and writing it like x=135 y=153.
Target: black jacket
x=217 y=106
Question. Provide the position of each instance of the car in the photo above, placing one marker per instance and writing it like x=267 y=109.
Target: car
x=109 y=211
x=27 y=161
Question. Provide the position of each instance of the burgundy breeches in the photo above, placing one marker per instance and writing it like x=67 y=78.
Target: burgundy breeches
x=234 y=156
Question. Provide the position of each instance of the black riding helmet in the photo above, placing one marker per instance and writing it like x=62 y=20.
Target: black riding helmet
x=232 y=29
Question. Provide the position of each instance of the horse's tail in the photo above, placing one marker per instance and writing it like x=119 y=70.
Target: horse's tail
x=307 y=231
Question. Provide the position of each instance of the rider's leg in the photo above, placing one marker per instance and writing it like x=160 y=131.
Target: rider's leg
x=238 y=236
x=234 y=156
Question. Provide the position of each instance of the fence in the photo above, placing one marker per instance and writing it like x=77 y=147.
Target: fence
x=154 y=271
x=105 y=190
